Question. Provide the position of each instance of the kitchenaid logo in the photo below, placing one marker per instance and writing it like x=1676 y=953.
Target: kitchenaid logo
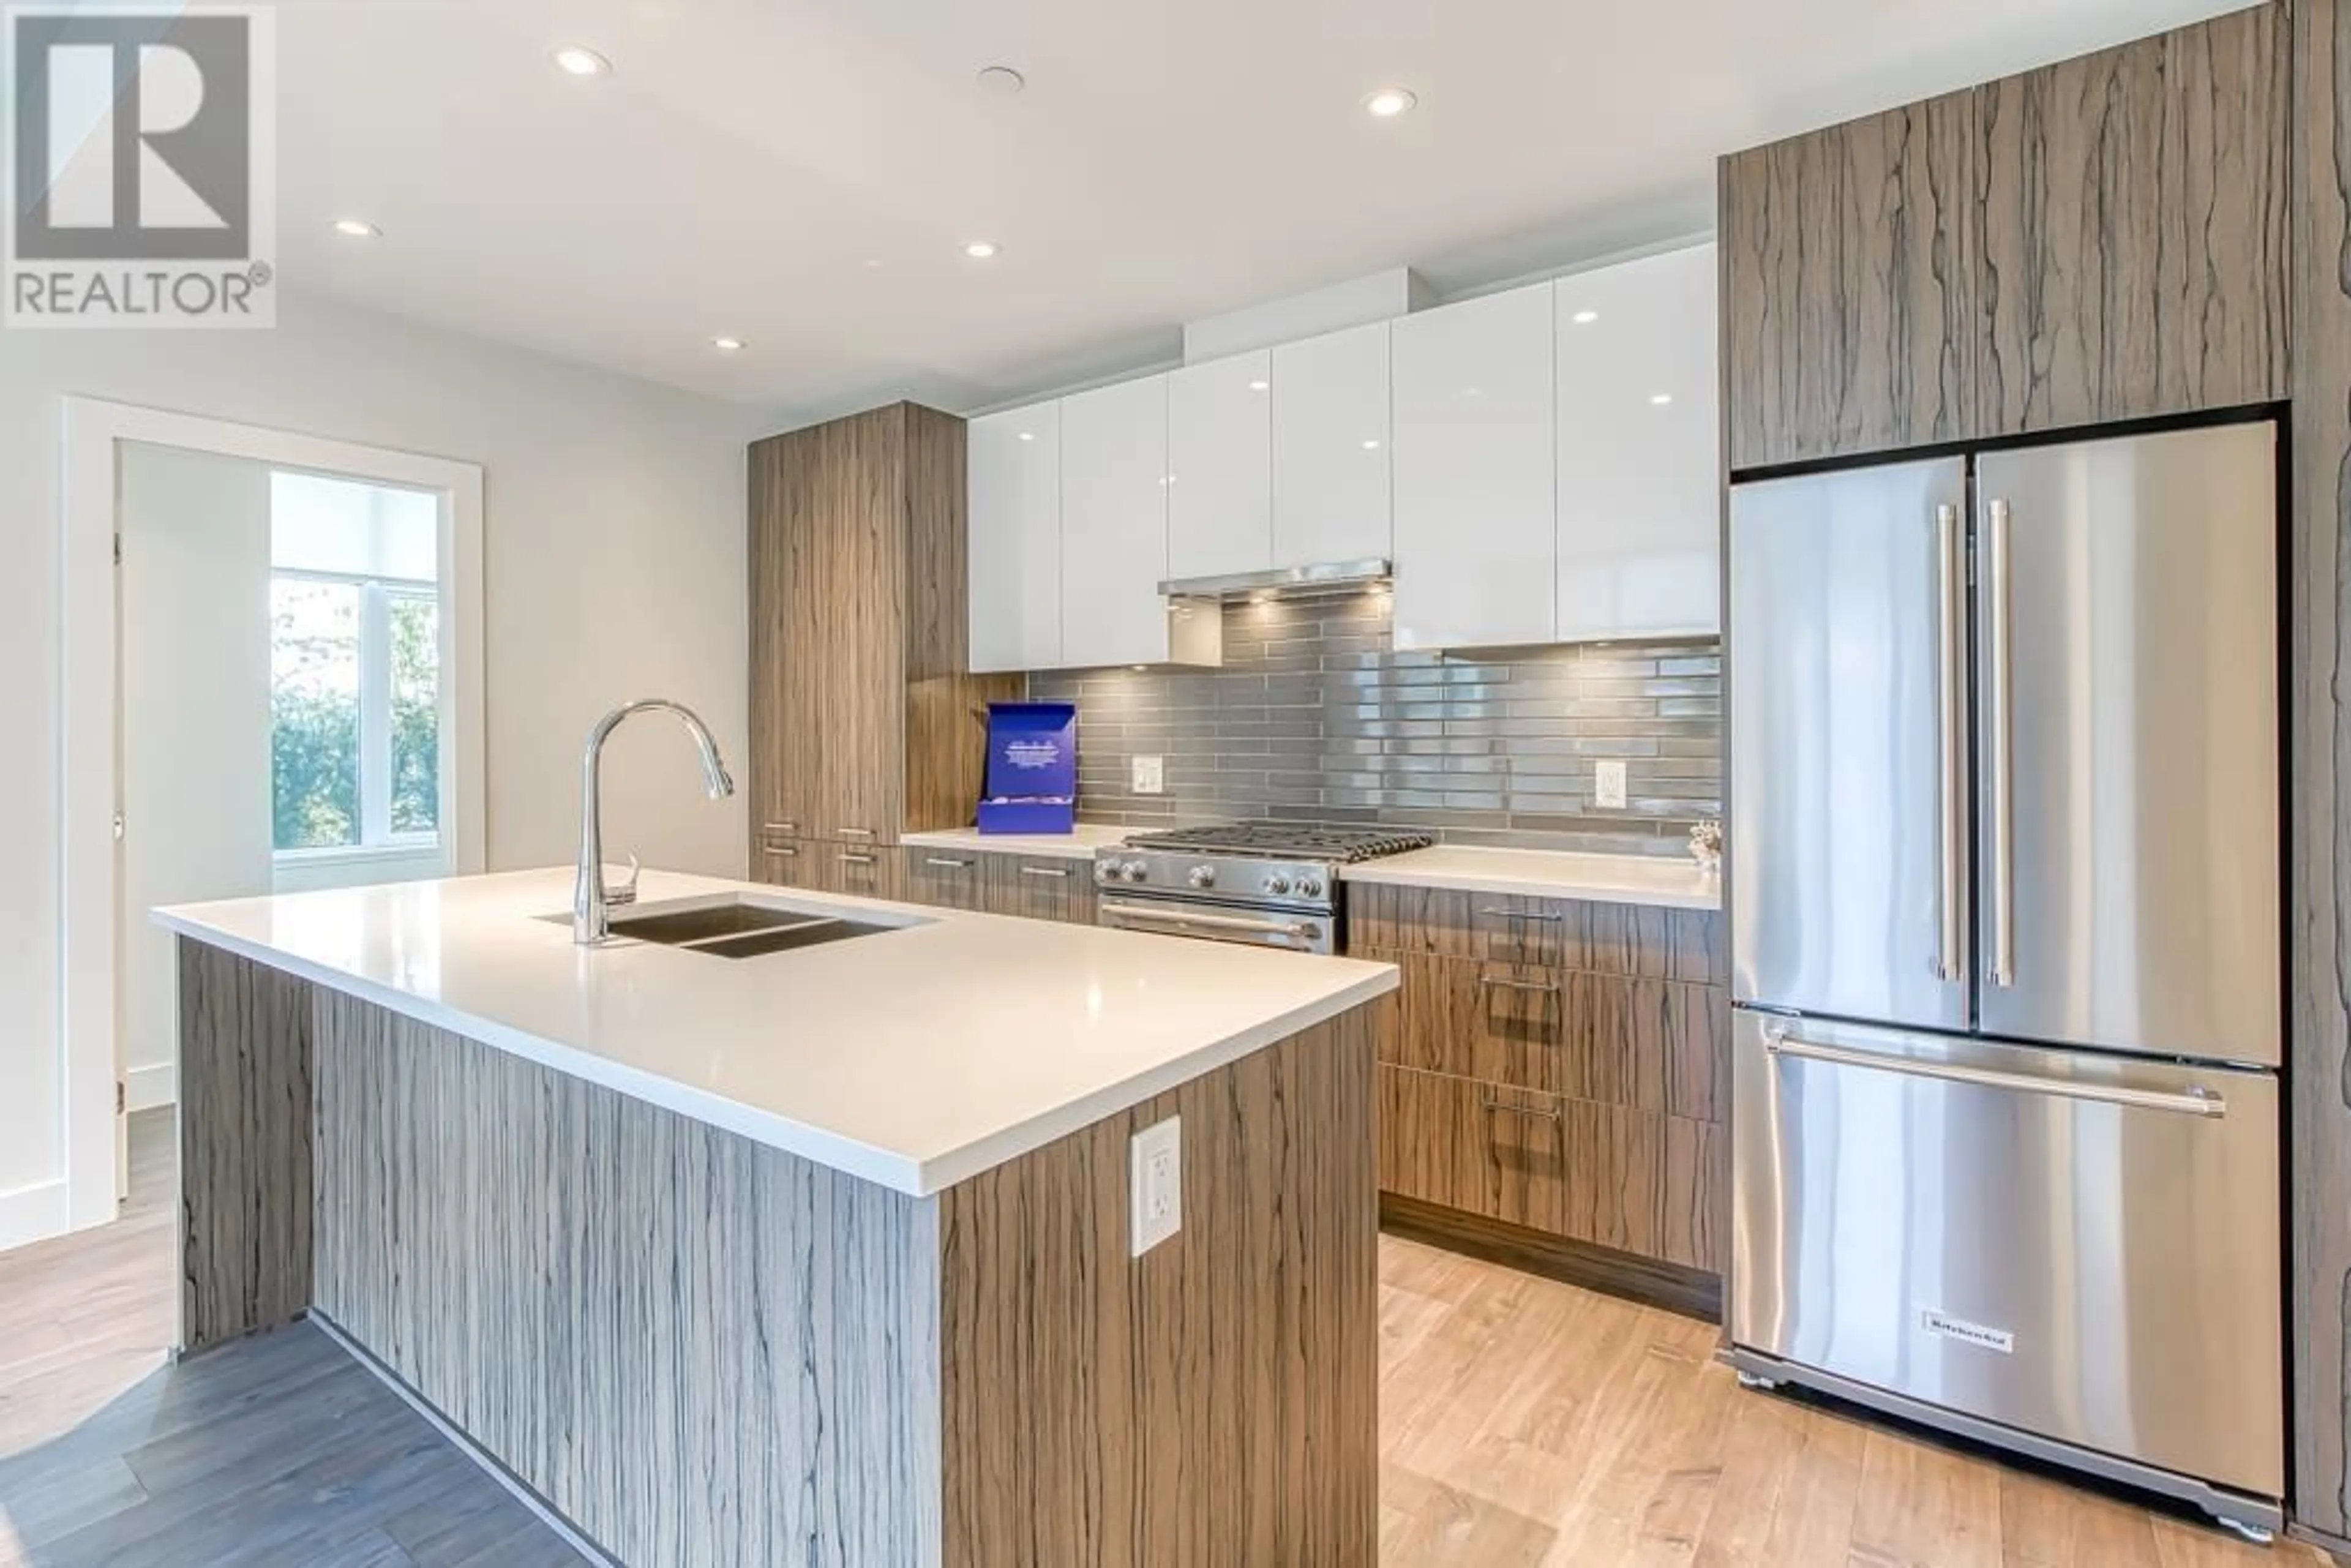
x=141 y=166
x=1975 y=1334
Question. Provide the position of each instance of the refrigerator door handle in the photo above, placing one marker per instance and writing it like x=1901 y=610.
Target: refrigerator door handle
x=2000 y=723
x=1951 y=960
x=2193 y=1101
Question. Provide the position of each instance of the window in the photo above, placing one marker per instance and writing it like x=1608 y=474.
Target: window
x=356 y=708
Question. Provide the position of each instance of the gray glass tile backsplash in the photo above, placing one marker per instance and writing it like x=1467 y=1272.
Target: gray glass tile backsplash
x=1314 y=716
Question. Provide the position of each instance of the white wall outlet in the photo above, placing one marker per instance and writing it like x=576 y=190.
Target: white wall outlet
x=1156 y=1183
x=1608 y=785
x=1150 y=774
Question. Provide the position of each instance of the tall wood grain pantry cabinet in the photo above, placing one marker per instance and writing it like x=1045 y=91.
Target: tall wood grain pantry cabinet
x=2103 y=239
x=864 y=722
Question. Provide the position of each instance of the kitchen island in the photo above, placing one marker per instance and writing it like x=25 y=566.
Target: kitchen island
x=820 y=1257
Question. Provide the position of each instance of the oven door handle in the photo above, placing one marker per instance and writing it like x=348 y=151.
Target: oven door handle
x=1296 y=930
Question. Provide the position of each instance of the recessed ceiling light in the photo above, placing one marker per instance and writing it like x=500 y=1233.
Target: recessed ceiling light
x=1661 y=399
x=574 y=61
x=357 y=228
x=1371 y=446
x=981 y=249
x=1584 y=318
x=1388 y=102
x=727 y=345
x=1028 y=435
x=1260 y=386
x=1001 y=80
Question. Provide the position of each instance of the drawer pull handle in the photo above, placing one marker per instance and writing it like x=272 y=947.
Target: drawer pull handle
x=847 y=858
x=856 y=832
x=1524 y=915
x=1060 y=874
x=1551 y=986
x=783 y=827
x=945 y=864
x=783 y=852
x=1556 y=1114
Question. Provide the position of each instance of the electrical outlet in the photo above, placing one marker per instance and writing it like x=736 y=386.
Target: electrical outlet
x=1608 y=786
x=1156 y=1183
x=1150 y=774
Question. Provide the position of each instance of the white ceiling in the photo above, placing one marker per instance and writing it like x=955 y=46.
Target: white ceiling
x=803 y=173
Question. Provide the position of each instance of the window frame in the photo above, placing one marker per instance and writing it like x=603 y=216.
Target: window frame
x=377 y=841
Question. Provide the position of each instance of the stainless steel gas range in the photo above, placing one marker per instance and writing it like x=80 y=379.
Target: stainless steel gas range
x=1270 y=884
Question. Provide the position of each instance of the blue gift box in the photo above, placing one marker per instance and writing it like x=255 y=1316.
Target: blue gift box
x=1032 y=769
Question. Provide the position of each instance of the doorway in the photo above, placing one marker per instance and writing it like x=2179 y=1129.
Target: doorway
x=273 y=684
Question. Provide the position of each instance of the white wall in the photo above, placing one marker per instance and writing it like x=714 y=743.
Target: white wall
x=194 y=668
x=613 y=545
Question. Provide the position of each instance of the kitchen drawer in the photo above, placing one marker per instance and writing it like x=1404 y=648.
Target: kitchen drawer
x=831 y=867
x=1044 y=887
x=1570 y=1167
x=1561 y=933
x=786 y=863
x=1655 y=1045
x=948 y=879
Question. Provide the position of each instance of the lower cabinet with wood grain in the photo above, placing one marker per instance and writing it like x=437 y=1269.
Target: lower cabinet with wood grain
x=1553 y=1087
x=822 y=865
x=1033 y=887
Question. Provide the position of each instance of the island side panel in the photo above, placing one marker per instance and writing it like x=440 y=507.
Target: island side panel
x=1212 y=1401
x=244 y=1065
x=698 y=1349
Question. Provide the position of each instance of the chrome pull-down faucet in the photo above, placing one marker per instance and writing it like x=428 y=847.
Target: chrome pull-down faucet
x=591 y=901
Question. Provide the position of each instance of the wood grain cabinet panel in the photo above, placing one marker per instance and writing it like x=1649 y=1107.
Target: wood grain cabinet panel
x=1694 y=1221
x=1847 y=321
x=864 y=722
x=2319 y=792
x=2131 y=242
x=1044 y=887
x=948 y=879
x=1474 y=1147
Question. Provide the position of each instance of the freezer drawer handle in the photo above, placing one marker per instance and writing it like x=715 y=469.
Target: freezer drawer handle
x=2186 y=1103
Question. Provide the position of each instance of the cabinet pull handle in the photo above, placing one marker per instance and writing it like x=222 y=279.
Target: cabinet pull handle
x=1556 y=1114
x=856 y=832
x=847 y=858
x=783 y=827
x=945 y=864
x=783 y=852
x=1524 y=915
x=1502 y=985
x=1061 y=872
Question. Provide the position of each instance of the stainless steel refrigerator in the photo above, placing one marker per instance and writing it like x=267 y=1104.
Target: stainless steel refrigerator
x=2005 y=900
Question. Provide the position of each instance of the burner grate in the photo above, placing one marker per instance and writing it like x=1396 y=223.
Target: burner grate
x=1287 y=841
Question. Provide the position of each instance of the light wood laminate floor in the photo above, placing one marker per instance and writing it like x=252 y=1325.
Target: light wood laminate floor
x=1524 y=1424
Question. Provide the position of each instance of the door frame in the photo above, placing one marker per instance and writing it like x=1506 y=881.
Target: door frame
x=94 y=430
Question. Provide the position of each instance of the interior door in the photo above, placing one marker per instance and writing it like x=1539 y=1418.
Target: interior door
x=2127 y=652
x=1847 y=743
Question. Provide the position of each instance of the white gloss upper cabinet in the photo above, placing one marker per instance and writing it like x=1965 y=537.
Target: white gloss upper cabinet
x=1476 y=519
x=1014 y=486
x=1331 y=448
x=1219 y=465
x=1115 y=525
x=1640 y=508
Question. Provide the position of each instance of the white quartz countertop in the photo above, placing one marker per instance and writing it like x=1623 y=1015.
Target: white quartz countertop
x=915 y=1058
x=1079 y=845
x=1675 y=882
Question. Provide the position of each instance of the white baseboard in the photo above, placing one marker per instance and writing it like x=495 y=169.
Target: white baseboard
x=144 y=1088
x=33 y=1213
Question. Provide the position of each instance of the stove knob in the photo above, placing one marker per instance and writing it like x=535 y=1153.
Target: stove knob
x=1203 y=876
x=1277 y=884
x=1309 y=887
x=1105 y=870
x=1133 y=870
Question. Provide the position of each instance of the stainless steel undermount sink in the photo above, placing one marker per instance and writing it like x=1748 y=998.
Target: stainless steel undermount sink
x=736 y=927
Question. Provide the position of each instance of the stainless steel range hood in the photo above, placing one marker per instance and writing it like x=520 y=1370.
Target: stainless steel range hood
x=1327 y=577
